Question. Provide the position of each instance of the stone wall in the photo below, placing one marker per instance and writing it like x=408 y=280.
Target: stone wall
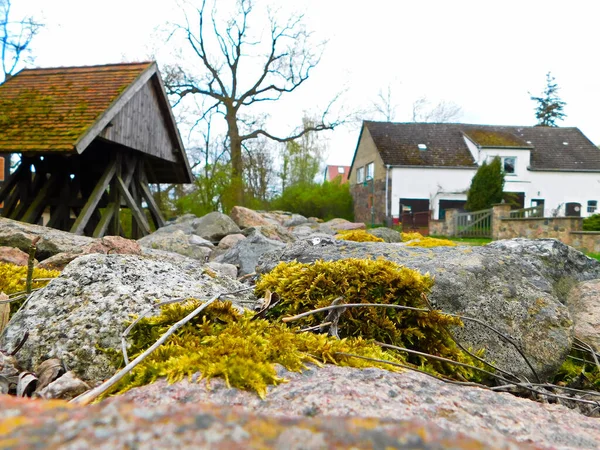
x=566 y=229
x=537 y=227
x=586 y=241
x=361 y=195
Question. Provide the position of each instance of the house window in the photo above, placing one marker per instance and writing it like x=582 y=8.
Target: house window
x=360 y=175
x=592 y=206
x=340 y=169
x=370 y=170
x=509 y=164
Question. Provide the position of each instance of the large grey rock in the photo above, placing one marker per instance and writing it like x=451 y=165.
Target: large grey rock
x=387 y=234
x=512 y=286
x=19 y=235
x=214 y=226
x=295 y=220
x=245 y=253
x=333 y=391
x=178 y=242
x=86 y=307
x=584 y=306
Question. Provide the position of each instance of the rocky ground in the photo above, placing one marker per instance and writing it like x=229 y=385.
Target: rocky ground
x=541 y=294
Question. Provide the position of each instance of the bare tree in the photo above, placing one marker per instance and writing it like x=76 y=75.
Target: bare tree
x=15 y=37
x=443 y=112
x=384 y=105
x=228 y=54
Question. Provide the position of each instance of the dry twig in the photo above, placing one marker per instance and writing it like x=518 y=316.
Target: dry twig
x=90 y=396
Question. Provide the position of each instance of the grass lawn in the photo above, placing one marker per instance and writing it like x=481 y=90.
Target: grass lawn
x=594 y=255
x=468 y=241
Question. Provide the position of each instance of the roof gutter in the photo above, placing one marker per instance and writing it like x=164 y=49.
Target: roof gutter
x=565 y=170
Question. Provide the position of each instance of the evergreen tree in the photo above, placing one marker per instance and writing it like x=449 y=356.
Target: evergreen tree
x=486 y=186
x=549 y=107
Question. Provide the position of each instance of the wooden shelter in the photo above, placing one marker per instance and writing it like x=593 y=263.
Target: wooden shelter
x=90 y=139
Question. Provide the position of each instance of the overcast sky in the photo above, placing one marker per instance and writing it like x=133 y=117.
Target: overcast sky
x=484 y=56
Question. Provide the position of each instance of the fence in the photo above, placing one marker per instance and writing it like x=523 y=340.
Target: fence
x=474 y=224
x=526 y=213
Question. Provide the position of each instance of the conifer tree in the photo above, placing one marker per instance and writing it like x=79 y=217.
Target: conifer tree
x=487 y=186
x=549 y=107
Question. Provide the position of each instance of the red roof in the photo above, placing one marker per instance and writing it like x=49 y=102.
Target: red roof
x=333 y=172
x=50 y=109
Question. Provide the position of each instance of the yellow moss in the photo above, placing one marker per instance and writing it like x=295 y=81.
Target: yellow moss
x=13 y=279
x=357 y=236
x=224 y=343
x=431 y=242
x=410 y=236
x=304 y=287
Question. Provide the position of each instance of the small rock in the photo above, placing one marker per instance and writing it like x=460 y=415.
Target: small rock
x=245 y=217
x=223 y=269
x=197 y=240
x=214 y=226
x=245 y=253
x=66 y=387
x=230 y=240
x=295 y=220
x=387 y=234
x=14 y=256
x=343 y=224
x=176 y=242
x=275 y=232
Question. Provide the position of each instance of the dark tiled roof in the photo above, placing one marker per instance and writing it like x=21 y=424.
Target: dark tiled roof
x=49 y=109
x=398 y=144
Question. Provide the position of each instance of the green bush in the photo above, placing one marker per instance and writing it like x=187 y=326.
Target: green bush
x=592 y=223
x=486 y=186
x=327 y=201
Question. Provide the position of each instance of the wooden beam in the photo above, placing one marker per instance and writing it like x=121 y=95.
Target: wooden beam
x=104 y=222
x=9 y=184
x=60 y=216
x=94 y=198
x=36 y=207
x=152 y=206
x=136 y=211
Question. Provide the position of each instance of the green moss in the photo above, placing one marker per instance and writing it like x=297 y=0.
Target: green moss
x=577 y=373
x=491 y=138
x=304 y=287
x=13 y=279
x=418 y=240
x=224 y=343
x=357 y=236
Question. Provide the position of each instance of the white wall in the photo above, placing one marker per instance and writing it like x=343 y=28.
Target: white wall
x=429 y=183
x=555 y=188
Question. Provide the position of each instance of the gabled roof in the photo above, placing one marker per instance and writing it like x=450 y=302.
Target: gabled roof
x=332 y=172
x=64 y=109
x=398 y=144
x=50 y=109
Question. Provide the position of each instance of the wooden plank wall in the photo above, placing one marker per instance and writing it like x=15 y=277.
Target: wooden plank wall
x=141 y=125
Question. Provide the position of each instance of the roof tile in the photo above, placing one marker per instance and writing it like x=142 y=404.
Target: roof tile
x=49 y=109
x=398 y=144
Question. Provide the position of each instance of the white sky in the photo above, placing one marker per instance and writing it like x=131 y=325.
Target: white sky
x=484 y=56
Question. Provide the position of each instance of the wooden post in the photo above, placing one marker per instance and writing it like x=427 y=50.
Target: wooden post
x=92 y=202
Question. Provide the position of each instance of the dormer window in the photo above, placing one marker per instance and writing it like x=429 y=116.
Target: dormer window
x=340 y=169
x=509 y=165
x=422 y=147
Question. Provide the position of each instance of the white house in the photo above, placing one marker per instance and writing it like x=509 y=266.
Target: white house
x=429 y=166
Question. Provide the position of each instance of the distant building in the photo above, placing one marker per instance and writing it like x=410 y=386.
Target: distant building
x=332 y=172
x=428 y=167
